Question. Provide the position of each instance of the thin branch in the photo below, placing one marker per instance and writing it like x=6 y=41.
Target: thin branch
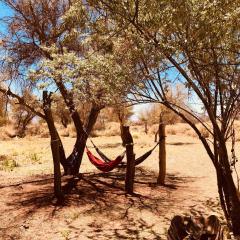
x=21 y=101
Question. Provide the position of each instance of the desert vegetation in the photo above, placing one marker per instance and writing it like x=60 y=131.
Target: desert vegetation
x=133 y=102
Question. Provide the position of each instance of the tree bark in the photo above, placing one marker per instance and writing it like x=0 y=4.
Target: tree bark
x=229 y=202
x=75 y=158
x=123 y=137
x=146 y=127
x=162 y=152
x=228 y=193
x=64 y=122
x=22 y=124
x=55 y=144
x=130 y=171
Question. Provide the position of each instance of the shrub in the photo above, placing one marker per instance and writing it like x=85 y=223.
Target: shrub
x=136 y=136
x=99 y=125
x=72 y=131
x=204 y=132
x=10 y=132
x=3 y=121
x=171 y=130
x=3 y=158
x=94 y=134
x=64 y=132
x=8 y=164
x=34 y=158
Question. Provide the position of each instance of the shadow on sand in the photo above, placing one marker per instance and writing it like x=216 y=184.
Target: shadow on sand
x=101 y=195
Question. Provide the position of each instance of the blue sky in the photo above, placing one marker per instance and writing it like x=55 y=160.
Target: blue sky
x=4 y=12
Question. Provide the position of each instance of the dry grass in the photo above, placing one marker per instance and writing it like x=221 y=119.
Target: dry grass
x=7 y=132
x=109 y=129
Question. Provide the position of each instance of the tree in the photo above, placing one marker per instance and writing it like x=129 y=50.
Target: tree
x=59 y=41
x=3 y=117
x=3 y=101
x=119 y=112
x=40 y=36
x=21 y=115
x=143 y=117
x=195 y=43
x=123 y=113
x=178 y=97
x=55 y=145
x=60 y=111
x=31 y=27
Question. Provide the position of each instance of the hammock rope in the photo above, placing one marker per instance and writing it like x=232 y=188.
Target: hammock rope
x=138 y=161
x=104 y=166
x=100 y=153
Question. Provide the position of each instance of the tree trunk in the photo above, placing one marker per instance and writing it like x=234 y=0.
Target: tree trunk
x=229 y=201
x=75 y=158
x=162 y=153
x=146 y=127
x=57 y=171
x=55 y=144
x=123 y=137
x=130 y=171
x=228 y=193
x=22 y=124
x=65 y=164
x=235 y=216
x=64 y=122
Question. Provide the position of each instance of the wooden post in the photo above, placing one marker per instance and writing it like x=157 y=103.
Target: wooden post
x=130 y=171
x=162 y=152
x=55 y=144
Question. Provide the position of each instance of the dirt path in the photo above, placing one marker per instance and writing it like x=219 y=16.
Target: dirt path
x=96 y=206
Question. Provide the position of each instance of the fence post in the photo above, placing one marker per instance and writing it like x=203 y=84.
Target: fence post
x=162 y=152
x=130 y=171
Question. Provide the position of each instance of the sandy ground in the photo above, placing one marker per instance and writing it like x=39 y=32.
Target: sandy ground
x=96 y=206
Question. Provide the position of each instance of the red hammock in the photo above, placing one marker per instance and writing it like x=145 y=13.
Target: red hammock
x=101 y=165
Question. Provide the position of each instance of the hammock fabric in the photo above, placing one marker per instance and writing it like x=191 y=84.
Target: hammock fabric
x=103 y=156
x=104 y=166
x=143 y=157
x=138 y=161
